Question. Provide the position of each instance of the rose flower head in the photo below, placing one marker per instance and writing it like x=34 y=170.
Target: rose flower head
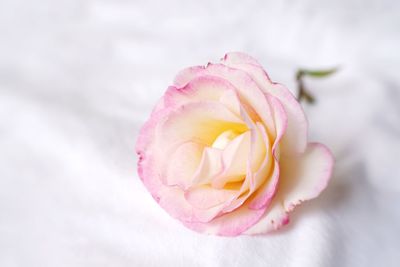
x=225 y=150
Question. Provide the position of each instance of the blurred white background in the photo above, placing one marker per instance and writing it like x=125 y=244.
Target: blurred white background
x=79 y=77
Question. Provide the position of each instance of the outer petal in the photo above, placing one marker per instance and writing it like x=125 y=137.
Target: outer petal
x=302 y=178
x=295 y=138
x=201 y=88
x=205 y=196
x=145 y=144
x=229 y=224
x=173 y=200
x=249 y=92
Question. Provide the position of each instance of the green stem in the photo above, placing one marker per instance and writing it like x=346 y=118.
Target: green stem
x=303 y=92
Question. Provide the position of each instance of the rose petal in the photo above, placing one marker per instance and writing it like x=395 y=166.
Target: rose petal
x=305 y=177
x=302 y=178
x=249 y=92
x=173 y=200
x=229 y=224
x=206 y=197
x=266 y=191
x=183 y=163
x=210 y=165
x=274 y=218
x=148 y=163
x=201 y=88
x=234 y=159
x=267 y=177
x=231 y=100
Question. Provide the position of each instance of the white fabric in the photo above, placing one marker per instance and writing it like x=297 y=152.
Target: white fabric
x=79 y=77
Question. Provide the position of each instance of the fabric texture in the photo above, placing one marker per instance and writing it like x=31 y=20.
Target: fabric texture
x=79 y=78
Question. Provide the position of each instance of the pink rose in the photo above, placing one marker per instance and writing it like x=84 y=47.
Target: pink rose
x=225 y=151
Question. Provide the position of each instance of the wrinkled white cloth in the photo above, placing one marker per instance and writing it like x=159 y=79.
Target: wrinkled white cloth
x=79 y=77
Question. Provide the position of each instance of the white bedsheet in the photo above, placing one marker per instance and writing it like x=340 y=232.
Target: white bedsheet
x=79 y=77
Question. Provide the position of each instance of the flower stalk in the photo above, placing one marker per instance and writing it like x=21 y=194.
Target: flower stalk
x=303 y=92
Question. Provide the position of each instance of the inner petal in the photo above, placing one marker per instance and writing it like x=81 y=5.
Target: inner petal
x=224 y=139
x=205 y=196
x=182 y=164
x=210 y=165
x=234 y=158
